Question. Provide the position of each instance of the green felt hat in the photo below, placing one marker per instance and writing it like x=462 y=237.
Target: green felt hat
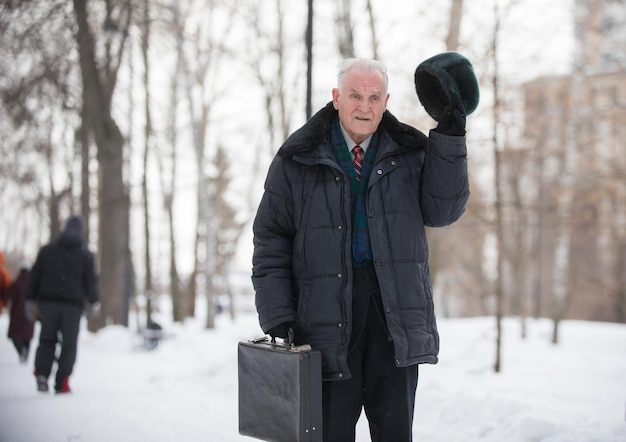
x=446 y=78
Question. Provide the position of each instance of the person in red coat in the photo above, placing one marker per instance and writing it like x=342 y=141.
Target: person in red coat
x=21 y=329
x=5 y=282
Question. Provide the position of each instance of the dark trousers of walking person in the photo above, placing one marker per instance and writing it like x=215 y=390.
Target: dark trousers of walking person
x=59 y=322
x=386 y=392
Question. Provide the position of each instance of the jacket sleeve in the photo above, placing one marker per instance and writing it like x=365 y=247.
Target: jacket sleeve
x=274 y=231
x=91 y=279
x=445 y=184
x=34 y=279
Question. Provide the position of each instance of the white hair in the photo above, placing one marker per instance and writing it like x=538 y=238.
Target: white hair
x=361 y=64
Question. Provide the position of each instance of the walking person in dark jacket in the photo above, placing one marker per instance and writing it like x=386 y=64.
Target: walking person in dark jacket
x=21 y=329
x=62 y=281
x=340 y=252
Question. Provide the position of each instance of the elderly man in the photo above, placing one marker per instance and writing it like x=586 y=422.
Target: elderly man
x=340 y=253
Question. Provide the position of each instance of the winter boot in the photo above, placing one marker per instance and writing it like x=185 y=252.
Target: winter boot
x=64 y=386
x=42 y=383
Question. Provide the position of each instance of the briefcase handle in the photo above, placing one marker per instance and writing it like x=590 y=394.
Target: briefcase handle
x=285 y=345
x=289 y=339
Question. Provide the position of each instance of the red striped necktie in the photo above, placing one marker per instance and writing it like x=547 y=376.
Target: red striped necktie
x=358 y=161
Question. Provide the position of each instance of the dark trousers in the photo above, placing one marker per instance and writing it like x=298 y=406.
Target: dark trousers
x=386 y=392
x=60 y=322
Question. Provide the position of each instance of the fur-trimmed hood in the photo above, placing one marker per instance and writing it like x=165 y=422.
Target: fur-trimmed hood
x=317 y=129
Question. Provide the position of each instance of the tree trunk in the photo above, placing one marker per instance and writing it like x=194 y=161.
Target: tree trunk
x=498 y=198
x=620 y=278
x=178 y=303
x=454 y=29
x=181 y=307
x=113 y=201
x=345 y=36
x=561 y=293
x=371 y=15
x=537 y=239
x=145 y=44
x=85 y=189
x=204 y=232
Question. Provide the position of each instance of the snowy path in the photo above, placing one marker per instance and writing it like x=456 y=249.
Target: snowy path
x=186 y=389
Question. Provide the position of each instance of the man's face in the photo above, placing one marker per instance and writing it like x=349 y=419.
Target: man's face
x=361 y=103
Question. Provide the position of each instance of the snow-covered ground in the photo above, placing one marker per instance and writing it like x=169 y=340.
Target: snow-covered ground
x=186 y=388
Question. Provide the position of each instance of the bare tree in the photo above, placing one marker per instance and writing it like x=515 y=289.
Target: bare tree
x=345 y=34
x=559 y=125
x=181 y=305
x=84 y=146
x=373 y=33
x=269 y=47
x=454 y=28
x=200 y=72
x=98 y=66
x=499 y=295
x=560 y=288
x=145 y=26
x=437 y=237
x=229 y=227
x=38 y=110
x=99 y=77
x=462 y=285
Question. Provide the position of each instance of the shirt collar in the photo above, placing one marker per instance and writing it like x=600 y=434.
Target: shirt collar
x=350 y=142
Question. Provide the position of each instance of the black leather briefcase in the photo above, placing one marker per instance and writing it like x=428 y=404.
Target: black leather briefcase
x=280 y=391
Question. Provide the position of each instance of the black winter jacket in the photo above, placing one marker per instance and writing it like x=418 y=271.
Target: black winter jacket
x=302 y=269
x=64 y=272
